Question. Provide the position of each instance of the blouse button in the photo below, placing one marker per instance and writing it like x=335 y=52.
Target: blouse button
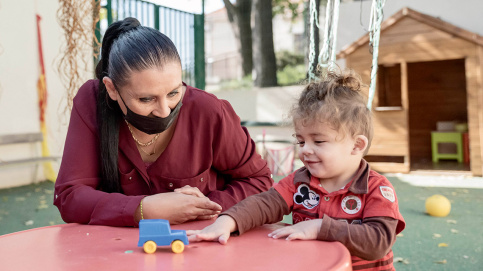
x=326 y=198
x=201 y=179
x=170 y=184
x=130 y=178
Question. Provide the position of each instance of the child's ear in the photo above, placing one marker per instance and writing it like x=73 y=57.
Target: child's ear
x=360 y=144
x=111 y=90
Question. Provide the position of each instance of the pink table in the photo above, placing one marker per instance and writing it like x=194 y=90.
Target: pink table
x=83 y=247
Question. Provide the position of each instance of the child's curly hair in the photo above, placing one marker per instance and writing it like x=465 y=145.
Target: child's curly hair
x=337 y=100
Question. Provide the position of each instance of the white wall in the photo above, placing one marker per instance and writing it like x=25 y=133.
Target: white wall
x=223 y=60
x=264 y=105
x=19 y=72
x=284 y=31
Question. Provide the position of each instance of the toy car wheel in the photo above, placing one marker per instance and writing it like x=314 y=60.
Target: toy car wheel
x=150 y=247
x=177 y=246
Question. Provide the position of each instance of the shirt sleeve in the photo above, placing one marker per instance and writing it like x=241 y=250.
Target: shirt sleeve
x=382 y=201
x=235 y=157
x=370 y=240
x=76 y=193
x=264 y=208
x=286 y=188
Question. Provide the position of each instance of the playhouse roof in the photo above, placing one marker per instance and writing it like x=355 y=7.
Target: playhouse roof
x=418 y=16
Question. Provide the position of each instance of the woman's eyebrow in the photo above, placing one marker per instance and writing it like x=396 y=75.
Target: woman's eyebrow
x=176 y=88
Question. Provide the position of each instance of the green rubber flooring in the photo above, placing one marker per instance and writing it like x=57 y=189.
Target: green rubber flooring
x=454 y=242
x=28 y=207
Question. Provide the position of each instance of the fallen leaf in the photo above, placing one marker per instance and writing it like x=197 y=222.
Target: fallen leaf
x=436 y=235
x=38 y=189
x=454 y=231
x=451 y=221
x=400 y=259
x=51 y=223
x=29 y=223
x=441 y=262
x=443 y=245
x=465 y=256
x=42 y=206
x=47 y=191
x=20 y=199
x=5 y=199
x=465 y=191
x=400 y=235
x=453 y=193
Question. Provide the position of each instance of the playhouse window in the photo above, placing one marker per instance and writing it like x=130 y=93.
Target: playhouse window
x=389 y=86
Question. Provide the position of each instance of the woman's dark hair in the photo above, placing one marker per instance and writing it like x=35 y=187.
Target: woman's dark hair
x=126 y=47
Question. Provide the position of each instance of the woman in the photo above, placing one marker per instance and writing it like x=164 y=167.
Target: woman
x=142 y=144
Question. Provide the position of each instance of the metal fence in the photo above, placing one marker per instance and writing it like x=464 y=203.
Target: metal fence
x=185 y=29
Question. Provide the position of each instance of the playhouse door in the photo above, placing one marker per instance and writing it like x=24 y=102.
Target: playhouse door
x=436 y=92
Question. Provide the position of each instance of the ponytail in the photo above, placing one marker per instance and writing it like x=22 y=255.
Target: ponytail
x=108 y=111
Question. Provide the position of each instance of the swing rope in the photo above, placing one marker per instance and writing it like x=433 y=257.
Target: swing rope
x=327 y=54
x=326 y=58
x=313 y=20
x=374 y=37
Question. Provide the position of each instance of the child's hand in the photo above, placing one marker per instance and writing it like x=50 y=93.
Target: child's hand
x=218 y=231
x=189 y=190
x=306 y=230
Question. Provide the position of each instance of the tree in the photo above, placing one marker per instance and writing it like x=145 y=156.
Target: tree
x=239 y=15
x=285 y=7
x=263 y=50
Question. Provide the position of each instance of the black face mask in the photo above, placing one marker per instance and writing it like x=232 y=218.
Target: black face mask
x=151 y=125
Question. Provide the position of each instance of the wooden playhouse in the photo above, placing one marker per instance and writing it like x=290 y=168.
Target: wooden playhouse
x=430 y=72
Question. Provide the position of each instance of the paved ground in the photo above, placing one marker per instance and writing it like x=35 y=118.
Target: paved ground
x=454 y=242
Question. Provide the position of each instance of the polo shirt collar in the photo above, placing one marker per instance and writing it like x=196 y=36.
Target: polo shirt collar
x=359 y=184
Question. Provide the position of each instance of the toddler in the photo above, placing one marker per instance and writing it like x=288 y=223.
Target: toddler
x=335 y=196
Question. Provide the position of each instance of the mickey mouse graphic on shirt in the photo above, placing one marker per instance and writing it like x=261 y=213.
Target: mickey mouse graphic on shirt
x=308 y=198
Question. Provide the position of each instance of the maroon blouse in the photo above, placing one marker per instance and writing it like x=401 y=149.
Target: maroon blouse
x=209 y=150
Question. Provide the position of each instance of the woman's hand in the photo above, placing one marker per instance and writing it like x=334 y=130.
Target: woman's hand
x=194 y=191
x=218 y=231
x=179 y=207
x=306 y=230
x=190 y=190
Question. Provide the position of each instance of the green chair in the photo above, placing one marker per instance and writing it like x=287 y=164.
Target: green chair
x=447 y=137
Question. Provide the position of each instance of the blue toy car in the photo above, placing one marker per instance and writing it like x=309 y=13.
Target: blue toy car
x=157 y=232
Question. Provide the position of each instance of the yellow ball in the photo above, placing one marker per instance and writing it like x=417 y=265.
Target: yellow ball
x=438 y=205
